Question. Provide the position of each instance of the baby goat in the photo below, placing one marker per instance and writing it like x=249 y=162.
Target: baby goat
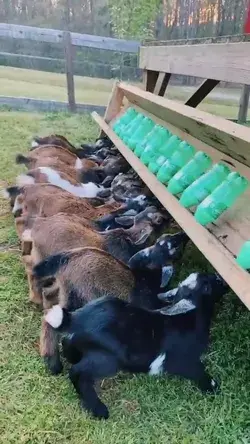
x=58 y=158
x=53 y=139
x=109 y=335
x=85 y=274
x=65 y=232
x=60 y=179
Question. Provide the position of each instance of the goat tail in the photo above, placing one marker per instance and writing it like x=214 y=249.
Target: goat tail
x=21 y=159
x=58 y=317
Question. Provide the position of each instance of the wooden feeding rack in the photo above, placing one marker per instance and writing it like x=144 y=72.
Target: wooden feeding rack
x=223 y=141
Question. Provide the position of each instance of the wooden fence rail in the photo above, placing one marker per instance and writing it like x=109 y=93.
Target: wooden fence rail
x=68 y=40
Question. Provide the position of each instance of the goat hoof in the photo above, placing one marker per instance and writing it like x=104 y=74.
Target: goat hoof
x=211 y=386
x=53 y=364
x=100 y=411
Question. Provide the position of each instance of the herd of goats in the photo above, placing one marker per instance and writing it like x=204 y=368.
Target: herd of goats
x=99 y=263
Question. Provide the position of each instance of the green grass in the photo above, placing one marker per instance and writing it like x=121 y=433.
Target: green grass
x=41 y=409
x=19 y=82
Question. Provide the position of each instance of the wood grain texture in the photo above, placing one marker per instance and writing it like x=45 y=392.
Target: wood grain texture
x=56 y=36
x=229 y=62
x=228 y=137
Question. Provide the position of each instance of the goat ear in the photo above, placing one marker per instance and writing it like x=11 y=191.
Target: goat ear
x=143 y=236
x=125 y=221
x=181 y=307
x=167 y=273
x=168 y=296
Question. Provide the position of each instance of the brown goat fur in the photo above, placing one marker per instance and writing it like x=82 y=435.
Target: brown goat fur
x=47 y=200
x=49 y=155
x=90 y=273
x=57 y=140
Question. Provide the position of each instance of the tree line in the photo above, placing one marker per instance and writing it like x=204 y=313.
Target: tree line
x=137 y=19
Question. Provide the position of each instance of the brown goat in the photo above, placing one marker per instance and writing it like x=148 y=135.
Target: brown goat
x=62 y=232
x=54 y=139
x=46 y=200
x=62 y=179
x=52 y=156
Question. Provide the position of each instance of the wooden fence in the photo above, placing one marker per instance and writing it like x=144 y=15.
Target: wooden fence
x=68 y=40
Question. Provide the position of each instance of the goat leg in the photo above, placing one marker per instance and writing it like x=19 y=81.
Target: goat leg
x=93 y=366
x=49 y=348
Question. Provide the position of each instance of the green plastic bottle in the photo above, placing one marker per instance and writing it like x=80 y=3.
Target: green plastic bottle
x=165 y=152
x=222 y=198
x=156 y=163
x=189 y=173
x=124 y=120
x=243 y=258
x=170 y=146
x=179 y=158
x=152 y=149
x=202 y=187
x=131 y=127
x=140 y=147
x=145 y=127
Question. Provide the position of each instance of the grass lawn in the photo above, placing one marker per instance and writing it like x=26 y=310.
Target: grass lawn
x=41 y=409
x=18 y=82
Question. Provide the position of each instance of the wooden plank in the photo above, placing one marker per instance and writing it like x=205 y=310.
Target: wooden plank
x=228 y=137
x=229 y=62
x=198 y=41
x=69 y=69
x=56 y=36
x=149 y=80
x=30 y=105
x=114 y=104
x=244 y=101
x=162 y=83
x=206 y=87
x=223 y=261
x=31 y=57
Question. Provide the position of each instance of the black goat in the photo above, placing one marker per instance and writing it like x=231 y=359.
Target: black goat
x=109 y=335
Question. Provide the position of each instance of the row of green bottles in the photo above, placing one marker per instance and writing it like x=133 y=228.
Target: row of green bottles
x=202 y=187
x=144 y=128
x=189 y=173
x=222 y=198
x=175 y=164
x=122 y=122
x=182 y=153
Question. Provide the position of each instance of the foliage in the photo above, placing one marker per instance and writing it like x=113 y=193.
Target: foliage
x=134 y=19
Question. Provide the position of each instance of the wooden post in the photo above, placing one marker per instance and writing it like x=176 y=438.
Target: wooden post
x=68 y=50
x=244 y=100
x=149 y=79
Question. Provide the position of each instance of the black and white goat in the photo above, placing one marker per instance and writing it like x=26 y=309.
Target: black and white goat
x=109 y=335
